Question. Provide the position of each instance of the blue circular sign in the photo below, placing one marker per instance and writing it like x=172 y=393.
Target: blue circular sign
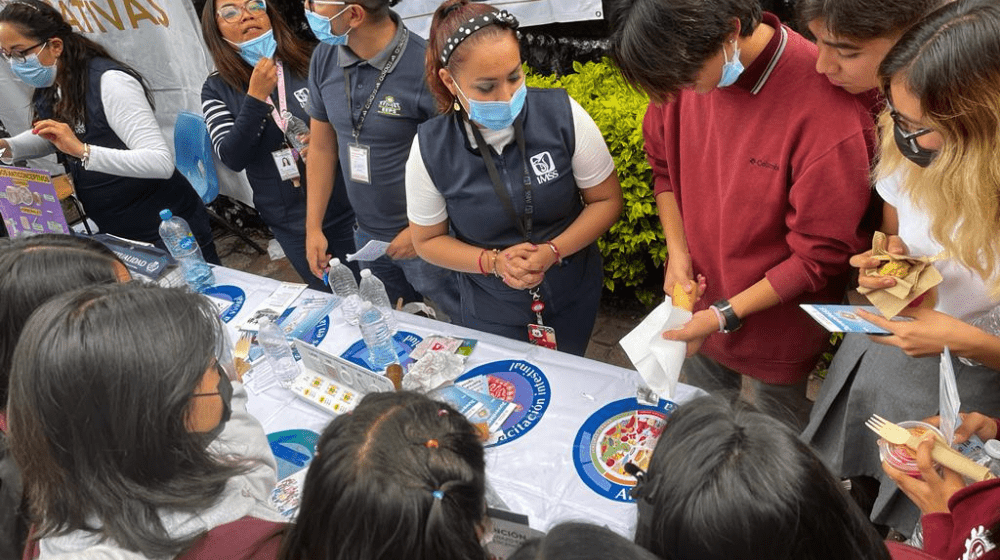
x=518 y=382
x=234 y=294
x=403 y=342
x=620 y=432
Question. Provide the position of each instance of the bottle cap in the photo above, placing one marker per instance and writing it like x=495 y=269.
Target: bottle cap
x=334 y=261
x=365 y=273
x=992 y=448
x=166 y=214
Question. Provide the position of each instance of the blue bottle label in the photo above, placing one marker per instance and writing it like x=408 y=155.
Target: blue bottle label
x=187 y=242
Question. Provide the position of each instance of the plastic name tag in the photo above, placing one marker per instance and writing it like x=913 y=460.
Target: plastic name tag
x=360 y=169
x=284 y=160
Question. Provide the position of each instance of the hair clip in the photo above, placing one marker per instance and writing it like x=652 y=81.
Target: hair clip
x=442 y=412
x=431 y=444
x=438 y=494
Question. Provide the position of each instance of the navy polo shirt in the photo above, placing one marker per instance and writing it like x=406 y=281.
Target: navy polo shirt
x=402 y=103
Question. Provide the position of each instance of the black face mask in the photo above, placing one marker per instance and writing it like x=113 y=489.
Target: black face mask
x=226 y=394
x=911 y=150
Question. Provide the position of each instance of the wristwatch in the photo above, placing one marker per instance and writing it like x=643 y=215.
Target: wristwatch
x=733 y=322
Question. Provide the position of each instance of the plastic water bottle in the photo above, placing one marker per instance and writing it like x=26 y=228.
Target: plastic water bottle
x=295 y=129
x=177 y=236
x=377 y=337
x=343 y=284
x=992 y=449
x=373 y=290
x=277 y=351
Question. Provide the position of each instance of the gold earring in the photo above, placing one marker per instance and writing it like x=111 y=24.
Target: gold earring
x=456 y=106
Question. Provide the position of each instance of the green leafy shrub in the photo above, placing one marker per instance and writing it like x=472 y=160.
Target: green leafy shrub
x=634 y=249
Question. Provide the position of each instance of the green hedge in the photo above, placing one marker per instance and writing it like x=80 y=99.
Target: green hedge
x=634 y=249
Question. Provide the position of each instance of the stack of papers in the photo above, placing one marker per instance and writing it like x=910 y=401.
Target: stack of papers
x=486 y=412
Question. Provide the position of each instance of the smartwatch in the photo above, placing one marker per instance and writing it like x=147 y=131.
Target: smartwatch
x=733 y=322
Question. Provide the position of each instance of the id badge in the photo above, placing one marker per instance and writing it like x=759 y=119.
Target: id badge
x=284 y=160
x=360 y=170
x=541 y=335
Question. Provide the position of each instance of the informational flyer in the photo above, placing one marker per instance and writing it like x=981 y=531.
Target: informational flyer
x=28 y=203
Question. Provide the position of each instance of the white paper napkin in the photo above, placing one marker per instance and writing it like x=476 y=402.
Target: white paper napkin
x=657 y=359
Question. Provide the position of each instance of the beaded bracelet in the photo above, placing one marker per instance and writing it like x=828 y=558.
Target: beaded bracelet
x=496 y=255
x=556 y=251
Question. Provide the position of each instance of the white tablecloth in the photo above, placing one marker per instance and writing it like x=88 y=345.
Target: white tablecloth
x=542 y=471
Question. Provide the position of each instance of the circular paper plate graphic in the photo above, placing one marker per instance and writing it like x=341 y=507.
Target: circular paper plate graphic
x=292 y=449
x=513 y=381
x=621 y=432
x=234 y=294
x=404 y=343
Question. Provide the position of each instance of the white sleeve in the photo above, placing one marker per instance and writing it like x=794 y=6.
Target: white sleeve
x=131 y=118
x=888 y=188
x=424 y=204
x=26 y=146
x=592 y=162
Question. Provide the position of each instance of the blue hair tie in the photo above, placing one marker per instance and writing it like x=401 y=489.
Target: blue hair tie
x=438 y=494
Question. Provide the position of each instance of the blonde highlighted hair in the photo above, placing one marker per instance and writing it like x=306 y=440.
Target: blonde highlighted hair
x=949 y=62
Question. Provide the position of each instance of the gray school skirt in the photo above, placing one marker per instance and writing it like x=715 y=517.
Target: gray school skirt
x=868 y=378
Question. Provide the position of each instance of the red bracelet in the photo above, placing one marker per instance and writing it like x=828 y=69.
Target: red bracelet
x=555 y=250
x=480 y=261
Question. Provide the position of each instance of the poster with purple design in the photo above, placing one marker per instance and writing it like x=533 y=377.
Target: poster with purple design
x=28 y=203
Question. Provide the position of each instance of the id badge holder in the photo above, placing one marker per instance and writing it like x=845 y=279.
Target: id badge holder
x=538 y=333
x=284 y=160
x=360 y=163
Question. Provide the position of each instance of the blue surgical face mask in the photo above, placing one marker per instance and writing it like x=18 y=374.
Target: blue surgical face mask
x=33 y=72
x=496 y=115
x=320 y=27
x=257 y=48
x=732 y=68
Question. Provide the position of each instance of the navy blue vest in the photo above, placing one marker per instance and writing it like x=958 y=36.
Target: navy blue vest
x=476 y=213
x=124 y=206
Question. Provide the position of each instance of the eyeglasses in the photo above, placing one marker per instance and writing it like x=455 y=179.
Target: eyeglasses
x=20 y=56
x=232 y=13
x=313 y=3
x=902 y=125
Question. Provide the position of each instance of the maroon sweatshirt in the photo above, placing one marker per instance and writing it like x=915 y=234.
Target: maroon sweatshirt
x=771 y=176
x=963 y=532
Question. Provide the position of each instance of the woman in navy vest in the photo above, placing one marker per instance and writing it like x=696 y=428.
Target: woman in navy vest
x=98 y=113
x=262 y=74
x=521 y=218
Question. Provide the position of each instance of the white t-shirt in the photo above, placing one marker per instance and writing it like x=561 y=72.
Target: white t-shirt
x=962 y=294
x=592 y=164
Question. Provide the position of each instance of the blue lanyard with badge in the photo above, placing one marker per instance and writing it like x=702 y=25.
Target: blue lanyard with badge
x=360 y=154
x=538 y=333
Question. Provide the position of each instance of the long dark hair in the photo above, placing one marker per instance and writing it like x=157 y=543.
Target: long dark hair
x=101 y=385
x=39 y=21
x=34 y=269
x=726 y=481
x=370 y=491
x=580 y=541
x=292 y=51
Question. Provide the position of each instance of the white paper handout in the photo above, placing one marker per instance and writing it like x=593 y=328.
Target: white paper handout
x=274 y=305
x=371 y=251
x=657 y=359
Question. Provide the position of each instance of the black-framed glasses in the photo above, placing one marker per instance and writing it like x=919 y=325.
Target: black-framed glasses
x=902 y=128
x=22 y=55
x=233 y=13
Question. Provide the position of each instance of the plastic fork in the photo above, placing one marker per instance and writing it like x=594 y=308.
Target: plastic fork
x=241 y=351
x=943 y=454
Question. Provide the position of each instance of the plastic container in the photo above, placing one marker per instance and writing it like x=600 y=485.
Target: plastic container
x=900 y=456
x=342 y=283
x=295 y=129
x=377 y=337
x=177 y=236
x=992 y=450
x=373 y=290
x=277 y=352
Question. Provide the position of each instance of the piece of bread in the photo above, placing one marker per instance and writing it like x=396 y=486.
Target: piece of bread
x=897 y=269
x=682 y=299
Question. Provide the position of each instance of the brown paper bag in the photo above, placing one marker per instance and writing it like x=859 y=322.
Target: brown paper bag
x=920 y=277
